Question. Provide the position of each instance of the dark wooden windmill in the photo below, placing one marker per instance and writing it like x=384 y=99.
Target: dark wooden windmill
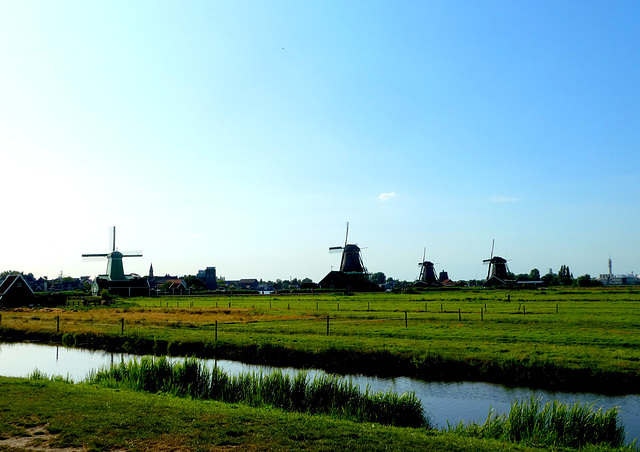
x=351 y=258
x=427 y=271
x=497 y=272
x=115 y=269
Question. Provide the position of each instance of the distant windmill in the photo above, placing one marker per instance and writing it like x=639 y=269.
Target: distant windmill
x=115 y=269
x=351 y=259
x=427 y=270
x=497 y=268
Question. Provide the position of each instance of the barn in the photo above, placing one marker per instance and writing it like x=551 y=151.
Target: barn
x=14 y=291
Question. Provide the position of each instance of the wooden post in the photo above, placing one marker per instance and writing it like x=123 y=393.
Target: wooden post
x=177 y=304
x=316 y=305
x=327 y=325
x=425 y=307
x=338 y=306
x=229 y=304
x=0 y=319
x=524 y=310
x=556 y=309
x=405 y=319
x=57 y=324
x=459 y=315
x=481 y=315
x=485 y=307
x=216 y=336
x=269 y=304
x=289 y=306
x=122 y=325
x=441 y=308
x=368 y=306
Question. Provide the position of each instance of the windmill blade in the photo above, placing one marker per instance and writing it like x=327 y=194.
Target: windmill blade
x=95 y=255
x=493 y=242
x=93 y=258
x=112 y=239
x=346 y=237
x=424 y=254
x=131 y=253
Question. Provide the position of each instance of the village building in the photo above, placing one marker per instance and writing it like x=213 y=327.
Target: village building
x=14 y=291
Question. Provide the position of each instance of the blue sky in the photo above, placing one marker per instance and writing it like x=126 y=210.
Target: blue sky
x=245 y=134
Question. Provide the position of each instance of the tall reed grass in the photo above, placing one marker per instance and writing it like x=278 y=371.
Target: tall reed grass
x=550 y=424
x=324 y=394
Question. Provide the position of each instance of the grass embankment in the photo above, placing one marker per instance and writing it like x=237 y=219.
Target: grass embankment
x=572 y=339
x=95 y=418
x=326 y=394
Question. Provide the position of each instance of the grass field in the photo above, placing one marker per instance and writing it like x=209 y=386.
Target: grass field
x=82 y=417
x=582 y=339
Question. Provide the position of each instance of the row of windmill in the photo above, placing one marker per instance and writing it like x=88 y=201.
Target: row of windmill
x=351 y=263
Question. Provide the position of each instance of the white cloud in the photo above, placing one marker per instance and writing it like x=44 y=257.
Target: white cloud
x=387 y=196
x=503 y=199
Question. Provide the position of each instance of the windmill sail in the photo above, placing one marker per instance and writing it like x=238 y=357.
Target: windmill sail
x=115 y=268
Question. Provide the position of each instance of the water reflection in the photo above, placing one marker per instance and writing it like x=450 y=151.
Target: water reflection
x=453 y=402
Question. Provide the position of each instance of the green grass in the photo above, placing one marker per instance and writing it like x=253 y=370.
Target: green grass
x=552 y=424
x=325 y=394
x=105 y=419
x=576 y=339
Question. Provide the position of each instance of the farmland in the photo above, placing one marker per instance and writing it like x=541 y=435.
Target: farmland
x=575 y=339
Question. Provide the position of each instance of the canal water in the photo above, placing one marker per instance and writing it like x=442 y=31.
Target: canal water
x=443 y=402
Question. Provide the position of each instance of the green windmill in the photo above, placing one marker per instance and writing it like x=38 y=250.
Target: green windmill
x=115 y=269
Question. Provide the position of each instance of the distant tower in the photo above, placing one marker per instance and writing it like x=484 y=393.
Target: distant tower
x=610 y=272
x=210 y=281
x=151 y=271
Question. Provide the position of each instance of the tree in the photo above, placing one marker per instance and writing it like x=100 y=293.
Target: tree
x=195 y=283
x=534 y=275
x=565 y=278
x=378 y=278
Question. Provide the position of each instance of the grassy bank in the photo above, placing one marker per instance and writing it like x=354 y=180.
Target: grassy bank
x=569 y=339
x=89 y=417
x=321 y=395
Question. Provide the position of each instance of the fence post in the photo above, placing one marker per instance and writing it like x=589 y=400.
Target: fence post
x=481 y=314
x=327 y=325
x=459 y=315
x=425 y=307
x=122 y=325
x=57 y=324
x=338 y=306
x=216 y=335
x=405 y=319
x=0 y=319
x=289 y=306
x=524 y=310
x=556 y=308
x=441 y=308
x=368 y=307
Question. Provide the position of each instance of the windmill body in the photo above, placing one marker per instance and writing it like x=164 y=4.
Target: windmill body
x=352 y=275
x=427 y=272
x=498 y=272
x=351 y=261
